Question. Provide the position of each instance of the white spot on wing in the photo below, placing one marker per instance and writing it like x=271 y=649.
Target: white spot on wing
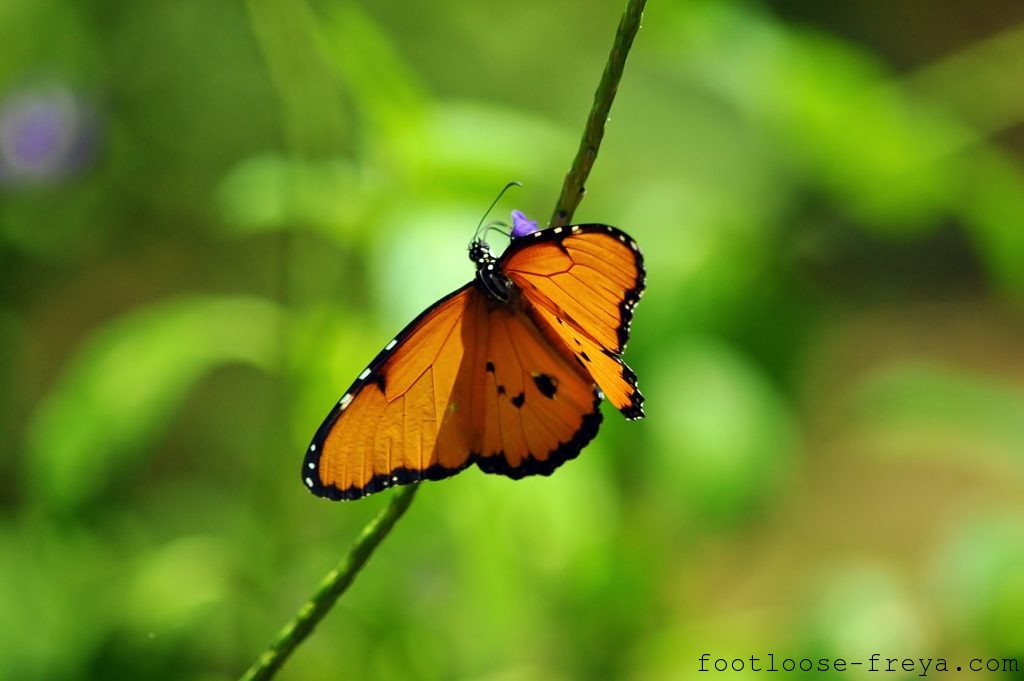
x=558 y=230
x=309 y=482
x=312 y=465
x=345 y=401
x=366 y=372
x=392 y=344
x=575 y=228
x=312 y=447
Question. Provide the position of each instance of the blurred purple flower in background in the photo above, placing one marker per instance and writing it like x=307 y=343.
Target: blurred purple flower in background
x=46 y=134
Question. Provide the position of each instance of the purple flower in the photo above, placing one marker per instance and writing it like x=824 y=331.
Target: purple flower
x=45 y=135
x=521 y=225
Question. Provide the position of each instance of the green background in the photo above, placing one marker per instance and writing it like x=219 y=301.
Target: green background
x=830 y=200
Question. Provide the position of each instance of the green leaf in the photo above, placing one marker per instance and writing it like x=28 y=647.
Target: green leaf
x=125 y=384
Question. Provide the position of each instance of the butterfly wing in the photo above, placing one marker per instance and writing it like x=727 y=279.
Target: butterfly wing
x=580 y=285
x=470 y=380
x=534 y=410
x=507 y=385
x=402 y=420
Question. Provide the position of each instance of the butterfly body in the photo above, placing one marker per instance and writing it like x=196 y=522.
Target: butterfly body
x=507 y=372
x=489 y=275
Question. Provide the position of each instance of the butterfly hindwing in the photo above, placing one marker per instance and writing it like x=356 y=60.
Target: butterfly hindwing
x=537 y=411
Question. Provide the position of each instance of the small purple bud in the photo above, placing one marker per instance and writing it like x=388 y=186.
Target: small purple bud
x=521 y=225
x=46 y=134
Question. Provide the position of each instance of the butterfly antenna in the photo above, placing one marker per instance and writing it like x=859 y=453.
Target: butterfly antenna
x=499 y=227
x=513 y=183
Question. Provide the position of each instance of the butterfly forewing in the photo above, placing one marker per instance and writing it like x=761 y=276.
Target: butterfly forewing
x=593 y=274
x=602 y=366
x=386 y=427
x=581 y=284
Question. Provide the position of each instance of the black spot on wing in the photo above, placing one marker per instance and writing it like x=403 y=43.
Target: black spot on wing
x=490 y=367
x=496 y=462
x=501 y=390
x=518 y=400
x=547 y=385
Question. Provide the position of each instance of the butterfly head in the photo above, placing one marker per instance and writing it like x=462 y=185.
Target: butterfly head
x=489 y=275
x=480 y=253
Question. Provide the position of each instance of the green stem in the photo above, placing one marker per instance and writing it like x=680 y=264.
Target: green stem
x=331 y=587
x=338 y=580
x=574 y=186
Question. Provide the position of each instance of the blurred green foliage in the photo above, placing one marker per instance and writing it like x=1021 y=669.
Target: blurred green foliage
x=213 y=214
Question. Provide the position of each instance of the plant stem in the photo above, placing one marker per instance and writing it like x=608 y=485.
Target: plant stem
x=331 y=587
x=340 y=578
x=574 y=186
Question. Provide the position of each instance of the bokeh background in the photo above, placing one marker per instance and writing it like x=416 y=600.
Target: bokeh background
x=213 y=214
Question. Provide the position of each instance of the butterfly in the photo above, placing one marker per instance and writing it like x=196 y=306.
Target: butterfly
x=507 y=372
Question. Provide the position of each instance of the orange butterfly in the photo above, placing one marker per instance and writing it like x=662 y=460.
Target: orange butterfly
x=507 y=372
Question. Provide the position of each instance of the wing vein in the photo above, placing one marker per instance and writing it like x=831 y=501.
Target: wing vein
x=524 y=371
